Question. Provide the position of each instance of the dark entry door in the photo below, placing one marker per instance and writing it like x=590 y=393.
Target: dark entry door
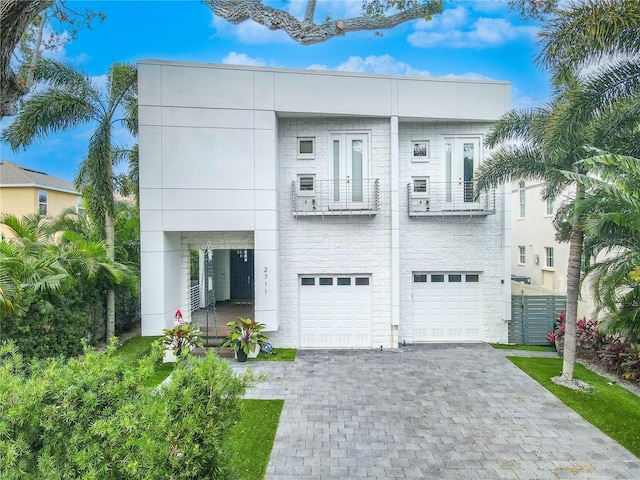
x=241 y=274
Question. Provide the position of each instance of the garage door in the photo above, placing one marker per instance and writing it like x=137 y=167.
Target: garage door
x=447 y=306
x=335 y=311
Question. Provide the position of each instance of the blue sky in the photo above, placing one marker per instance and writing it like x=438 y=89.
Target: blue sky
x=473 y=39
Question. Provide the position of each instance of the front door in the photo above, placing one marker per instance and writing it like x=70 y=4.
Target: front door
x=349 y=170
x=241 y=269
x=462 y=157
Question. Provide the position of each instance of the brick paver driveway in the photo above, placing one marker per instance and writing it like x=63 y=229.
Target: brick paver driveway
x=428 y=411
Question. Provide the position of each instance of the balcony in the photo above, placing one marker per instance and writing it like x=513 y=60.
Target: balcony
x=311 y=197
x=456 y=199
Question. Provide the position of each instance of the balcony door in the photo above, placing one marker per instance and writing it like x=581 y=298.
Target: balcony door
x=461 y=159
x=349 y=170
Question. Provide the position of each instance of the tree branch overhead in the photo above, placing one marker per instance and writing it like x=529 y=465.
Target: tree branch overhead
x=305 y=31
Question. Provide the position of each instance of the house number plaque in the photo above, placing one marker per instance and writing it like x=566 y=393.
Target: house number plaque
x=266 y=275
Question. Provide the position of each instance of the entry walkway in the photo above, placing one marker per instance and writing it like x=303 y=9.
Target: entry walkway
x=428 y=412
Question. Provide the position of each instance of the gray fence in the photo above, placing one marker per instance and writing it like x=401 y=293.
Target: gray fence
x=532 y=317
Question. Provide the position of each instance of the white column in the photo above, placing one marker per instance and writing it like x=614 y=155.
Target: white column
x=395 y=231
x=506 y=258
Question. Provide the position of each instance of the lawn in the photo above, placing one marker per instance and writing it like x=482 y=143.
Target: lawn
x=276 y=355
x=611 y=408
x=251 y=439
x=530 y=348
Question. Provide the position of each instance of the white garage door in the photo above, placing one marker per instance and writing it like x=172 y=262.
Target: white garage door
x=447 y=307
x=335 y=311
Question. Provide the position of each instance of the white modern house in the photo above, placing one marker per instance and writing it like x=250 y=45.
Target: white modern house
x=342 y=205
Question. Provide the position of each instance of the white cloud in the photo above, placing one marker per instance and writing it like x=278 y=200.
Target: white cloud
x=235 y=58
x=467 y=76
x=448 y=29
x=384 y=64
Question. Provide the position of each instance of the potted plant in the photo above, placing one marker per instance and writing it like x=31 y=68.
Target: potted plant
x=245 y=338
x=181 y=339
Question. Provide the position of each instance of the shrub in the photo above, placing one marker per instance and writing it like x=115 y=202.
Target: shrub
x=92 y=417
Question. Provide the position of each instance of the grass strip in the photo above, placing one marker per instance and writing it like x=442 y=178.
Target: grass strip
x=530 y=348
x=276 y=355
x=611 y=408
x=136 y=348
x=251 y=438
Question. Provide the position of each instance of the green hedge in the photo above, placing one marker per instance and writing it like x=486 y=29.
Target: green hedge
x=92 y=418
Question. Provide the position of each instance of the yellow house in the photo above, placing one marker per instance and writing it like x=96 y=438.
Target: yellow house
x=25 y=191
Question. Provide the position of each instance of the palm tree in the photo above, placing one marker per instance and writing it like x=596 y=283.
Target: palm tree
x=612 y=228
x=524 y=150
x=69 y=99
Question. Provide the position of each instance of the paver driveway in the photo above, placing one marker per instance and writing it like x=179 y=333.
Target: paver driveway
x=428 y=411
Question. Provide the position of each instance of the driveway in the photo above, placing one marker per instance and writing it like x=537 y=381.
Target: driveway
x=429 y=412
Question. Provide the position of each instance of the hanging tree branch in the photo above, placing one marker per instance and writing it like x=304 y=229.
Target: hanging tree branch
x=15 y=15
x=306 y=32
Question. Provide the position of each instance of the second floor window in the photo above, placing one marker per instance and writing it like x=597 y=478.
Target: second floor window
x=549 y=206
x=522 y=255
x=523 y=199
x=549 y=254
x=42 y=202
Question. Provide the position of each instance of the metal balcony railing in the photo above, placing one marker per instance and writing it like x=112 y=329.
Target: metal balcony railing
x=335 y=197
x=430 y=199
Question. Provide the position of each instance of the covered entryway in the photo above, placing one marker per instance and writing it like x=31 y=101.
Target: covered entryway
x=447 y=307
x=335 y=311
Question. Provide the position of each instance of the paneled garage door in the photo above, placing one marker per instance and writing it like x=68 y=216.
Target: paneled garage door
x=447 y=307
x=335 y=311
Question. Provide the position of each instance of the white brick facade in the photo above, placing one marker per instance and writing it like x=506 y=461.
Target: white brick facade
x=218 y=162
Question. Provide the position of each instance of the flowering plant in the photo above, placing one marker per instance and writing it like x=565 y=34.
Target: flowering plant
x=559 y=327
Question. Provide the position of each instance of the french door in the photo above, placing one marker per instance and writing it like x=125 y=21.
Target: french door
x=461 y=159
x=349 y=170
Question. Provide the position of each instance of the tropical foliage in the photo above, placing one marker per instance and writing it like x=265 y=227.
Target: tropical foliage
x=93 y=417
x=55 y=273
x=593 y=111
x=68 y=99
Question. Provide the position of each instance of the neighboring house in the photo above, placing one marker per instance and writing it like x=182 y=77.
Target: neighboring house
x=536 y=255
x=25 y=191
x=341 y=204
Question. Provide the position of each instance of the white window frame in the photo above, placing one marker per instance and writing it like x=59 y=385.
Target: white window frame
x=549 y=261
x=522 y=191
x=307 y=192
x=550 y=206
x=306 y=156
x=80 y=207
x=522 y=255
x=420 y=151
x=417 y=190
x=44 y=204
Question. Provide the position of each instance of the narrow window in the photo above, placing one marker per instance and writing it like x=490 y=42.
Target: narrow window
x=326 y=281
x=549 y=254
x=523 y=199
x=455 y=278
x=420 y=278
x=306 y=147
x=522 y=259
x=344 y=281
x=362 y=280
x=472 y=278
x=550 y=206
x=307 y=281
x=437 y=278
x=42 y=202
x=80 y=207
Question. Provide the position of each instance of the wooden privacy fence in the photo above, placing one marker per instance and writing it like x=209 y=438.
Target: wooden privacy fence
x=532 y=317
